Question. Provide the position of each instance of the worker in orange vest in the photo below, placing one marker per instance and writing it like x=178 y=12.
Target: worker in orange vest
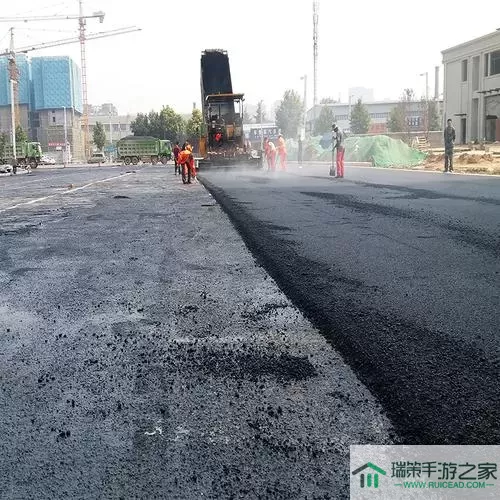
x=282 y=152
x=186 y=163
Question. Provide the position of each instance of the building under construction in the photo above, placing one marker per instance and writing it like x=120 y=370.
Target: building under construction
x=50 y=101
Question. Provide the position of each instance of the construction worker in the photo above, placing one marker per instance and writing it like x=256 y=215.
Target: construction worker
x=449 y=143
x=177 y=150
x=271 y=156
x=282 y=152
x=338 y=144
x=265 y=152
x=186 y=163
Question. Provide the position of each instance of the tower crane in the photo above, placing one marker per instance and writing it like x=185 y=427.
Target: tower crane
x=82 y=38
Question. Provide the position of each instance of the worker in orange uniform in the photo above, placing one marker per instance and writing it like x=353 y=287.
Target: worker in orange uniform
x=186 y=163
x=282 y=152
x=338 y=144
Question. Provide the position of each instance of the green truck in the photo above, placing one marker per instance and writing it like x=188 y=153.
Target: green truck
x=27 y=153
x=133 y=149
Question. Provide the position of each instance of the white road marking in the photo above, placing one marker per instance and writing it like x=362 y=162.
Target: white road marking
x=157 y=430
x=69 y=191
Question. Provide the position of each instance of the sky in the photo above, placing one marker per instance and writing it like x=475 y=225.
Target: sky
x=384 y=45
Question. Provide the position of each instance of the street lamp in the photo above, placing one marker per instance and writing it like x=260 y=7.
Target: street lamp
x=65 y=139
x=426 y=74
x=110 y=139
x=349 y=117
x=305 y=103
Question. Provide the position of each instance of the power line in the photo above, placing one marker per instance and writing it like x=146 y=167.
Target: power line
x=45 y=30
x=5 y=36
x=41 y=8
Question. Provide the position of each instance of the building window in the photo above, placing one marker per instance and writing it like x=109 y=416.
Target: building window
x=495 y=63
x=486 y=64
x=123 y=127
x=413 y=121
x=116 y=127
x=53 y=119
x=464 y=70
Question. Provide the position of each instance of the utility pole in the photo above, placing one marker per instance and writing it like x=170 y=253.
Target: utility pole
x=426 y=110
x=110 y=138
x=426 y=74
x=305 y=103
x=315 y=56
x=13 y=122
x=65 y=139
x=14 y=78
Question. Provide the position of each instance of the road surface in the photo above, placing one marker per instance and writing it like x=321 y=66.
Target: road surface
x=145 y=354
x=400 y=272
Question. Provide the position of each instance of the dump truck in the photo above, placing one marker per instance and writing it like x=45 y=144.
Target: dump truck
x=222 y=140
x=133 y=149
x=27 y=153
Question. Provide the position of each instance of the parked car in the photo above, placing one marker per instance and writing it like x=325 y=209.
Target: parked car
x=97 y=158
x=5 y=169
x=47 y=160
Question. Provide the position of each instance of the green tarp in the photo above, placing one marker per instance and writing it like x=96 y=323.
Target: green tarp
x=380 y=150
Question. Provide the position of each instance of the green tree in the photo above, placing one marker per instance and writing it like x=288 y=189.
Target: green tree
x=325 y=120
x=398 y=117
x=396 y=121
x=360 y=118
x=289 y=113
x=167 y=124
x=260 y=114
x=4 y=140
x=140 y=126
x=172 y=123
x=434 y=121
x=21 y=135
x=247 y=118
x=193 y=125
x=99 y=136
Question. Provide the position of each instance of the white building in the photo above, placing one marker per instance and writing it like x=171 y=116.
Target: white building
x=379 y=115
x=472 y=88
x=115 y=126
